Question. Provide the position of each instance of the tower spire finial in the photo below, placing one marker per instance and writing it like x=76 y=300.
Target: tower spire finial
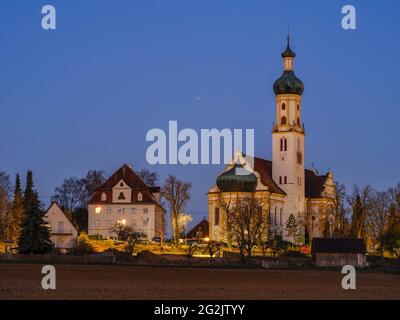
x=288 y=36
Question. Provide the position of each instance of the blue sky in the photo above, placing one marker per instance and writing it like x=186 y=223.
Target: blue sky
x=83 y=96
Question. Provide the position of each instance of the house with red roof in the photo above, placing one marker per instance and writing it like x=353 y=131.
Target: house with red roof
x=125 y=199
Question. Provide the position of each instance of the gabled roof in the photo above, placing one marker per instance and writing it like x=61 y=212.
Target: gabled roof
x=54 y=203
x=202 y=226
x=338 y=245
x=314 y=184
x=129 y=176
x=264 y=168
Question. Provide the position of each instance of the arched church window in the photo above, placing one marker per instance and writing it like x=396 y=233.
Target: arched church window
x=280 y=217
x=298 y=144
x=280 y=180
x=283 y=120
x=121 y=196
x=275 y=216
x=298 y=121
x=283 y=144
x=285 y=180
x=216 y=217
x=283 y=106
x=298 y=107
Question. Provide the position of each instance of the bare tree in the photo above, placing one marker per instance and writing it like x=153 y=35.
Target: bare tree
x=360 y=202
x=335 y=211
x=212 y=248
x=128 y=234
x=70 y=194
x=246 y=220
x=177 y=194
x=377 y=219
x=148 y=177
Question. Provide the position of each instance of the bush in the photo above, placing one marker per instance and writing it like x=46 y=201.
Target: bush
x=83 y=245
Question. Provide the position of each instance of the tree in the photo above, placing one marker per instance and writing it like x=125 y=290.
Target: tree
x=177 y=194
x=148 y=177
x=5 y=190
x=291 y=227
x=335 y=210
x=277 y=245
x=70 y=194
x=212 y=248
x=35 y=235
x=183 y=220
x=128 y=234
x=391 y=237
x=74 y=195
x=378 y=218
x=16 y=213
x=246 y=220
x=93 y=180
x=360 y=202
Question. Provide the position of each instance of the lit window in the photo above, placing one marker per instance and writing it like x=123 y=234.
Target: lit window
x=140 y=197
x=98 y=210
x=145 y=210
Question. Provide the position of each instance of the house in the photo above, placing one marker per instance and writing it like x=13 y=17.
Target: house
x=338 y=252
x=200 y=231
x=125 y=199
x=63 y=233
x=282 y=184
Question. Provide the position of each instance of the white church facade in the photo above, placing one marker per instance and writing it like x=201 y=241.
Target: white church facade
x=287 y=187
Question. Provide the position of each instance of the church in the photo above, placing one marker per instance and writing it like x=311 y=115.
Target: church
x=289 y=190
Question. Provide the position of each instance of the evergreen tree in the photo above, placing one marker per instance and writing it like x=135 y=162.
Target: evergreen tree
x=35 y=235
x=291 y=227
x=16 y=213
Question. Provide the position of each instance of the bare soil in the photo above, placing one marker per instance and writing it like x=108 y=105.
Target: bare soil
x=23 y=281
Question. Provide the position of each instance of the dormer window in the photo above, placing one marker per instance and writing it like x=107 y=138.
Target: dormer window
x=103 y=197
x=140 y=197
x=121 y=196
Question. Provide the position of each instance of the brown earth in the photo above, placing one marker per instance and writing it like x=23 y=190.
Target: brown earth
x=23 y=281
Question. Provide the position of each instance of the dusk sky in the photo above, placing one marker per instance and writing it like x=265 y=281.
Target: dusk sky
x=84 y=96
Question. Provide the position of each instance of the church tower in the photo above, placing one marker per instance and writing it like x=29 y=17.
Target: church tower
x=288 y=140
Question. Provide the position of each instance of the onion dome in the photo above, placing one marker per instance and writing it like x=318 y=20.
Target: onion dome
x=230 y=181
x=288 y=83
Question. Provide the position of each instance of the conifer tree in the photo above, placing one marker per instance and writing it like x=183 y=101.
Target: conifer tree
x=291 y=227
x=16 y=213
x=35 y=235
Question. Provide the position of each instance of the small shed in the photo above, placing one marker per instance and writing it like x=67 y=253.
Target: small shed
x=200 y=231
x=338 y=252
